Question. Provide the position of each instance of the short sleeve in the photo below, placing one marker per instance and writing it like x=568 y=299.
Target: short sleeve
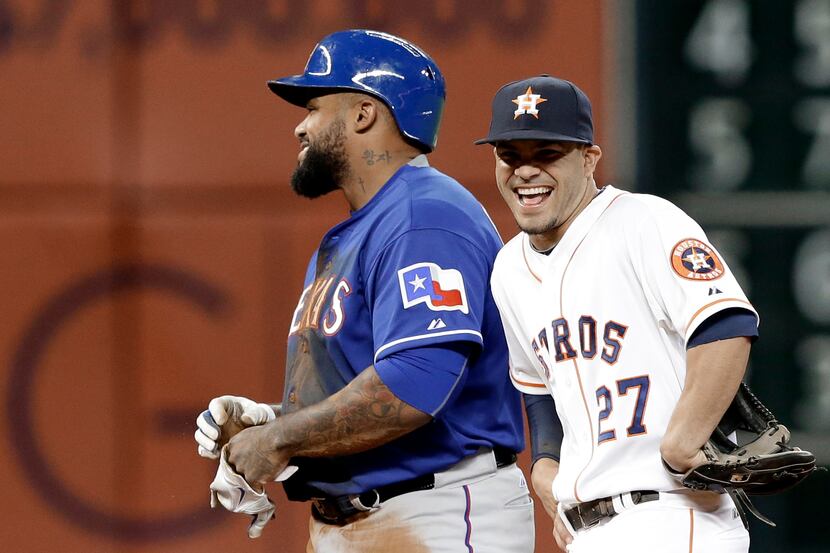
x=428 y=286
x=685 y=279
x=523 y=373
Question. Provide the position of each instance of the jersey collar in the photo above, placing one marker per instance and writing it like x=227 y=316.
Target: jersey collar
x=585 y=220
x=579 y=228
x=419 y=161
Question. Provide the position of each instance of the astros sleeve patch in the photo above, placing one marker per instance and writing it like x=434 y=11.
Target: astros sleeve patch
x=694 y=259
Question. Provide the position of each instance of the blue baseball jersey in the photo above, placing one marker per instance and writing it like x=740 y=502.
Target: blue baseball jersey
x=409 y=269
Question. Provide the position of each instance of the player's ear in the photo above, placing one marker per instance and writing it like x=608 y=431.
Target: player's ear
x=364 y=113
x=591 y=157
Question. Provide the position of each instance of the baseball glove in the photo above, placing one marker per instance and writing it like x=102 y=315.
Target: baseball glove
x=763 y=464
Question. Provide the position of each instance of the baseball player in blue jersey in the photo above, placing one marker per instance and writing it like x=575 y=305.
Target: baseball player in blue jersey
x=397 y=408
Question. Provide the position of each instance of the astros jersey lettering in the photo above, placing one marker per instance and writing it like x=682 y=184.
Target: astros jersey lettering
x=409 y=269
x=602 y=323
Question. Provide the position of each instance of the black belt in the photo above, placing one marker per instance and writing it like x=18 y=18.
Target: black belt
x=591 y=513
x=338 y=510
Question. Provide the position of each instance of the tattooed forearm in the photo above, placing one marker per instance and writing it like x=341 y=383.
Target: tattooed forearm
x=363 y=415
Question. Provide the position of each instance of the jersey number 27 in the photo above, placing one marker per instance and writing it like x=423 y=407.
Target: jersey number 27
x=637 y=426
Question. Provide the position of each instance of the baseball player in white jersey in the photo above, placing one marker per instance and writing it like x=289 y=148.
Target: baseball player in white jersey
x=624 y=323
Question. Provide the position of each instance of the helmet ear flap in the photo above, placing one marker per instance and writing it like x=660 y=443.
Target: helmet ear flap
x=385 y=66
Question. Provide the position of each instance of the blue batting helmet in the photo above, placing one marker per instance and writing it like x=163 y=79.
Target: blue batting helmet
x=390 y=68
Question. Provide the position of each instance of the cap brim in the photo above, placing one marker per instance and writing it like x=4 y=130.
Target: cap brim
x=530 y=134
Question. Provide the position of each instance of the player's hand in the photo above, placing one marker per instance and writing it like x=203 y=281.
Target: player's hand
x=253 y=453
x=542 y=475
x=231 y=491
x=225 y=417
x=679 y=456
x=561 y=533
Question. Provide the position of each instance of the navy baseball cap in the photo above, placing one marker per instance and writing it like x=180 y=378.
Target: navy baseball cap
x=541 y=108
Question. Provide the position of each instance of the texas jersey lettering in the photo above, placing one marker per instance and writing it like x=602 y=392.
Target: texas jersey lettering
x=308 y=312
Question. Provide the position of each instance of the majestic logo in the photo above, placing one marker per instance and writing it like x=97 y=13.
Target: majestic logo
x=696 y=260
x=527 y=103
x=440 y=289
x=436 y=324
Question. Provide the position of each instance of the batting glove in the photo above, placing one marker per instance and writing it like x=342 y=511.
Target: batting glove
x=233 y=492
x=236 y=412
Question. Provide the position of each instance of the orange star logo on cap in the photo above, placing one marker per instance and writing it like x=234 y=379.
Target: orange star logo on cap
x=527 y=103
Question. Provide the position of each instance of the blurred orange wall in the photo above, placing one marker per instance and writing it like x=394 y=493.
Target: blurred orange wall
x=153 y=254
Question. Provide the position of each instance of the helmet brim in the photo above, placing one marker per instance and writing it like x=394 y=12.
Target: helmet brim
x=298 y=91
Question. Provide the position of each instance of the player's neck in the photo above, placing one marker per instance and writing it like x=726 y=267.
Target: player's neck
x=371 y=168
x=545 y=242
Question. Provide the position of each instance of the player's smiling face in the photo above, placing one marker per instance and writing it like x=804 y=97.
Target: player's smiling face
x=545 y=184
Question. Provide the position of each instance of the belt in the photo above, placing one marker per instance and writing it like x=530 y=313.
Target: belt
x=339 y=510
x=591 y=513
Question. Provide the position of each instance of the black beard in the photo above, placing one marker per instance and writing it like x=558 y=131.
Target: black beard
x=324 y=166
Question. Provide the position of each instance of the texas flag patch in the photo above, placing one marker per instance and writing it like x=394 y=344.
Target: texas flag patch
x=441 y=289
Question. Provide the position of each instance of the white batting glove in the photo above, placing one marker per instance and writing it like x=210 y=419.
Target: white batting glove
x=233 y=410
x=233 y=492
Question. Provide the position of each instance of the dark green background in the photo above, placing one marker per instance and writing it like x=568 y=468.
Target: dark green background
x=668 y=86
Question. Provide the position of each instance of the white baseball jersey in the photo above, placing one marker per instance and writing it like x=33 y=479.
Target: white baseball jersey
x=602 y=324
